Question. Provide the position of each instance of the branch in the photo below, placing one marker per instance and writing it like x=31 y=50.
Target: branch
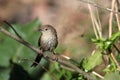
x=99 y=6
x=116 y=48
x=54 y=57
x=9 y=25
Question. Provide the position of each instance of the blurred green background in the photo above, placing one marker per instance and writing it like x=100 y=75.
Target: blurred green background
x=74 y=27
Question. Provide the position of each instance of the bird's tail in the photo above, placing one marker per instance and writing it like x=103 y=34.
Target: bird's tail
x=37 y=60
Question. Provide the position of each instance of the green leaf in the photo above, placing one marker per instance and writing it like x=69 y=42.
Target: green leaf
x=10 y=48
x=112 y=76
x=112 y=67
x=7 y=50
x=115 y=36
x=104 y=44
x=92 y=61
x=4 y=73
x=47 y=77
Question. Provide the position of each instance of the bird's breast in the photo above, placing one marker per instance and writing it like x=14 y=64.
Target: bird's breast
x=48 y=42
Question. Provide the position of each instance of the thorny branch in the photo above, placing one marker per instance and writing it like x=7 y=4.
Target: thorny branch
x=54 y=57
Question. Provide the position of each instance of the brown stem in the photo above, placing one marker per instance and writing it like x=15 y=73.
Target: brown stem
x=116 y=48
x=114 y=59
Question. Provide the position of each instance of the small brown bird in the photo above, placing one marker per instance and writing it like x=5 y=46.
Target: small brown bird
x=48 y=41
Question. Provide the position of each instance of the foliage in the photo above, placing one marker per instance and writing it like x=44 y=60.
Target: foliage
x=104 y=44
x=12 y=50
x=92 y=61
x=16 y=59
x=112 y=76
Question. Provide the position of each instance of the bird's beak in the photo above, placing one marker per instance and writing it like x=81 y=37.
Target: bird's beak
x=39 y=30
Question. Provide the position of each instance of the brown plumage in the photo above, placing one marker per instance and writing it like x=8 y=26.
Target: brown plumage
x=48 y=41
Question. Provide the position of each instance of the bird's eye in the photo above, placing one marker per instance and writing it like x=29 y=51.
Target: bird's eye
x=46 y=29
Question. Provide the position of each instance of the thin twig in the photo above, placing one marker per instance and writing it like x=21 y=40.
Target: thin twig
x=99 y=6
x=12 y=28
x=92 y=18
x=110 y=33
x=116 y=48
x=20 y=40
x=99 y=23
x=54 y=57
x=117 y=17
x=113 y=57
x=95 y=73
x=111 y=18
x=95 y=22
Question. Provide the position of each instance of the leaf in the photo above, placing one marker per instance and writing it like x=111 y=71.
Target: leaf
x=4 y=73
x=92 y=61
x=104 y=44
x=46 y=77
x=10 y=48
x=112 y=67
x=112 y=76
x=7 y=49
x=115 y=36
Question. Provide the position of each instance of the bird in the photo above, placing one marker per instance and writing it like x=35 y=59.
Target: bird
x=48 y=41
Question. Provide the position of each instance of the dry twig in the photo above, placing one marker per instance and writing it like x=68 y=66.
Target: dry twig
x=99 y=6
